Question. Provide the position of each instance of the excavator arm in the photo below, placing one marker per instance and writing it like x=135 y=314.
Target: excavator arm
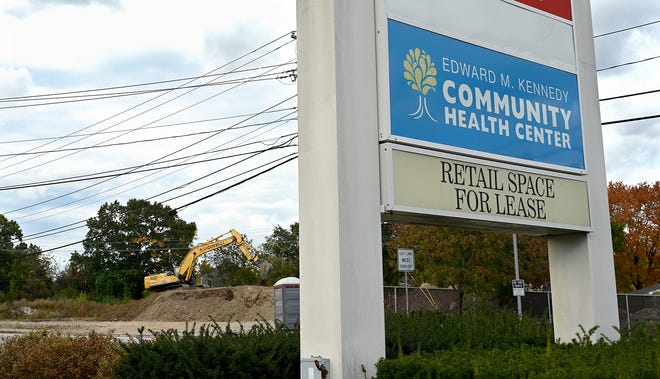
x=251 y=255
x=187 y=267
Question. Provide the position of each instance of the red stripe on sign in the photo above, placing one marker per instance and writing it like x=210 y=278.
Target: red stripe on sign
x=561 y=8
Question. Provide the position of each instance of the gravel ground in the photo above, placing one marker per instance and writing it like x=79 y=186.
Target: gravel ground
x=120 y=329
x=175 y=309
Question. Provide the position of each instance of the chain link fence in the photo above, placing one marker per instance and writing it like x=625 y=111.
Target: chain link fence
x=633 y=308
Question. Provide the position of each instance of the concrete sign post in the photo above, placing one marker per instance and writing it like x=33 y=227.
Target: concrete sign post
x=581 y=265
x=341 y=291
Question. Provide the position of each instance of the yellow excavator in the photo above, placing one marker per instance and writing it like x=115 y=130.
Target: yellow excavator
x=165 y=281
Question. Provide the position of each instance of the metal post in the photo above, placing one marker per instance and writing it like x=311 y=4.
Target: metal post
x=395 y=296
x=627 y=311
x=549 y=307
x=515 y=258
x=406 y=283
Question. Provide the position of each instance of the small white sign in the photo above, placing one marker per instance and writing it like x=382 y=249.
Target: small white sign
x=406 y=258
x=518 y=287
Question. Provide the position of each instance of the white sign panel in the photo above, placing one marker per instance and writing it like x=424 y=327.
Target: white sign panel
x=435 y=184
x=518 y=287
x=406 y=259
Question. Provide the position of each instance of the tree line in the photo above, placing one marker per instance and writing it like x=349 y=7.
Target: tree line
x=126 y=242
x=123 y=244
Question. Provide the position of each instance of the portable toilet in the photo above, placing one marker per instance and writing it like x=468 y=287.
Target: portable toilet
x=287 y=301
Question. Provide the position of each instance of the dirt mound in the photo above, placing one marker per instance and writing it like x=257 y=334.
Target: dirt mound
x=243 y=303
x=127 y=311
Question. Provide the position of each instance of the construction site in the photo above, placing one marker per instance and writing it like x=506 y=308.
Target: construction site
x=179 y=309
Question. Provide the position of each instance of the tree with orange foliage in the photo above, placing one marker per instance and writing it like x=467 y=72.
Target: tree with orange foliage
x=635 y=211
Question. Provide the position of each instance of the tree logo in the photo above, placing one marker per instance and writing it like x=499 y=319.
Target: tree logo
x=420 y=72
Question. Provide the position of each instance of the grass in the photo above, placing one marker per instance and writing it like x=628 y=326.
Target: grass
x=63 y=308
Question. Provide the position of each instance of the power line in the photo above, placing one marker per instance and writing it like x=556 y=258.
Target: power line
x=114 y=175
x=226 y=179
x=145 y=128
x=629 y=95
x=136 y=186
x=141 y=113
x=162 y=176
x=67 y=94
x=134 y=142
x=105 y=96
x=153 y=161
x=72 y=226
x=630 y=120
x=81 y=224
x=626 y=29
x=77 y=225
x=95 y=175
x=287 y=143
x=628 y=63
x=163 y=94
x=159 y=168
x=236 y=184
x=189 y=203
x=59 y=230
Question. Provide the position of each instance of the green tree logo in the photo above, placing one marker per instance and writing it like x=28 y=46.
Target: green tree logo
x=420 y=73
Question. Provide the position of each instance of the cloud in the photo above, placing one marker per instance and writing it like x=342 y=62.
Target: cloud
x=15 y=82
x=631 y=153
x=25 y=8
x=613 y=15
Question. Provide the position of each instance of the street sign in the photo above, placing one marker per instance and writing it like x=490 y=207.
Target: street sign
x=406 y=259
x=518 y=287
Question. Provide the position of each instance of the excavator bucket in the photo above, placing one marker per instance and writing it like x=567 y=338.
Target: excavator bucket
x=265 y=268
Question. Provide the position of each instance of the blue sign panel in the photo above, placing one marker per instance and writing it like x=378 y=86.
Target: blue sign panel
x=449 y=92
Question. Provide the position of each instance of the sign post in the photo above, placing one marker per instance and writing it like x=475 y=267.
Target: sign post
x=341 y=293
x=518 y=291
x=518 y=285
x=406 y=260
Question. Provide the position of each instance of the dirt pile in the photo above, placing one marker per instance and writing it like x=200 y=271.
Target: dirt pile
x=243 y=303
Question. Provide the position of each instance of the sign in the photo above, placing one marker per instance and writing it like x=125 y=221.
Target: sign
x=449 y=94
x=518 y=287
x=561 y=8
x=437 y=184
x=406 y=259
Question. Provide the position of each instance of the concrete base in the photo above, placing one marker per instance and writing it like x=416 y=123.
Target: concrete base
x=583 y=287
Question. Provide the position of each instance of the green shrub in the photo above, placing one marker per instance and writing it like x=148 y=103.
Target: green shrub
x=486 y=327
x=635 y=355
x=263 y=351
x=123 y=284
x=54 y=356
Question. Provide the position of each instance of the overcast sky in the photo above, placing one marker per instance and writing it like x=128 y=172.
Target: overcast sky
x=56 y=46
